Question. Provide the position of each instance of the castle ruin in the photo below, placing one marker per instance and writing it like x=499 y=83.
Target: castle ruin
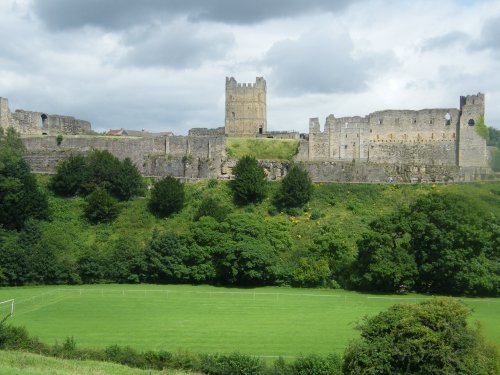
x=392 y=145
x=246 y=113
x=39 y=123
x=442 y=136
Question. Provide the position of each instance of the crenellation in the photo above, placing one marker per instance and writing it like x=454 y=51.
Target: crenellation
x=427 y=136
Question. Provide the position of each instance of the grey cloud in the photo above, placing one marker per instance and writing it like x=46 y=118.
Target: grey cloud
x=445 y=40
x=489 y=38
x=317 y=63
x=178 y=45
x=121 y=14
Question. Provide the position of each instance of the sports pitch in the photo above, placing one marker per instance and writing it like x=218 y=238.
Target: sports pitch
x=264 y=322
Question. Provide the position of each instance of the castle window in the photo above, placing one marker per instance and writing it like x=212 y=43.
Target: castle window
x=44 y=118
x=345 y=146
x=414 y=120
x=233 y=115
x=447 y=119
x=380 y=121
x=431 y=121
x=471 y=122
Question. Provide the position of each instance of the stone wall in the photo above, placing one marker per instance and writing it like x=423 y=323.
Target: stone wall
x=39 y=123
x=246 y=113
x=443 y=136
x=178 y=156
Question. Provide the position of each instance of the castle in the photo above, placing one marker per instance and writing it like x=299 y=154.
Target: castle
x=440 y=136
x=39 y=123
x=404 y=145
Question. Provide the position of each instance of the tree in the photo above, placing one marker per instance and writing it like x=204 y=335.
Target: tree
x=295 y=190
x=432 y=337
x=70 y=176
x=249 y=184
x=494 y=137
x=127 y=182
x=212 y=207
x=20 y=197
x=495 y=159
x=101 y=207
x=171 y=258
x=167 y=197
x=455 y=244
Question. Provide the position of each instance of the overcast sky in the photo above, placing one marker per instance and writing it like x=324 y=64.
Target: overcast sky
x=160 y=65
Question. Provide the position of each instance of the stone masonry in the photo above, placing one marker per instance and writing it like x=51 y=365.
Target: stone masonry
x=39 y=123
x=245 y=107
x=443 y=136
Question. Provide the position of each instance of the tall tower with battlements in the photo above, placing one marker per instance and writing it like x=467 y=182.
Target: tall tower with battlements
x=472 y=150
x=246 y=113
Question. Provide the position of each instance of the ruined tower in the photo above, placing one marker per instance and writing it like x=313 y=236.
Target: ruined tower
x=245 y=107
x=4 y=113
x=472 y=147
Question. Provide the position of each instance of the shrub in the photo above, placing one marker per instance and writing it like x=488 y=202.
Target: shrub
x=100 y=207
x=70 y=176
x=59 y=139
x=214 y=208
x=167 y=197
x=296 y=189
x=427 y=338
x=314 y=364
x=249 y=184
x=231 y=364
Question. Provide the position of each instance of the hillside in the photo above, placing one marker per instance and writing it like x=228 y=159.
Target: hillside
x=20 y=363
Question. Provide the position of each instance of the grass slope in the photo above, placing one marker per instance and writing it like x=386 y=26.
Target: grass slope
x=263 y=321
x=262 y=148
x=19 y=363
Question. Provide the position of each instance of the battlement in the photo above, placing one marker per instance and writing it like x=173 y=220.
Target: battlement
x=472 y=100
x=246 y=113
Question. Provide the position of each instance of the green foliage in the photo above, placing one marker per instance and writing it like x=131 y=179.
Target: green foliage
x=167 y=197
x=428 y=338
x=127 y=262
x=70 y=177
x=311 y=272
x=262 y=148
x=482 y=129
x=170 y=258
x=249 y=184
x=232 y=364
x=20 y=196
x=314 y=364
x=383 y=263
x=213 y=207
x=494 y=137
x=59 y=139
x=455 y=245
x=100 y=207
x=100 y=169
x=442 y=243
x=296 y=189
x=495 y=159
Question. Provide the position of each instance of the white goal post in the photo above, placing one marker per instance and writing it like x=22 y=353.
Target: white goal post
x=9 y=306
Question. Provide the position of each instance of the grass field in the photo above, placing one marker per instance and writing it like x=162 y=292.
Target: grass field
x=19 y=363
x=264 y=322
x=262 y=148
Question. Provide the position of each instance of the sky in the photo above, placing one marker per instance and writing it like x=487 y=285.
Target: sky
x=161 y=65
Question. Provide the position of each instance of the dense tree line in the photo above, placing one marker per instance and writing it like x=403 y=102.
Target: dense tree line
x=20 y=196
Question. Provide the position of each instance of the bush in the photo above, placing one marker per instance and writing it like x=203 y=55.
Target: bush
x=314 y=364
x=296 y=189
x=70 y=176
x=495 y=160
x=212 y=207
x=231 y=364
x=249 y=184
x=427 y=338
x=167 y=197
x=100 y=207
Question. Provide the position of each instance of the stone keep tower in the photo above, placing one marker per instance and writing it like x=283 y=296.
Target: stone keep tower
x=245 y=108
x=472 y=150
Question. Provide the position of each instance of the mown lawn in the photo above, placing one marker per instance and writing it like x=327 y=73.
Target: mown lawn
x=264 y=322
